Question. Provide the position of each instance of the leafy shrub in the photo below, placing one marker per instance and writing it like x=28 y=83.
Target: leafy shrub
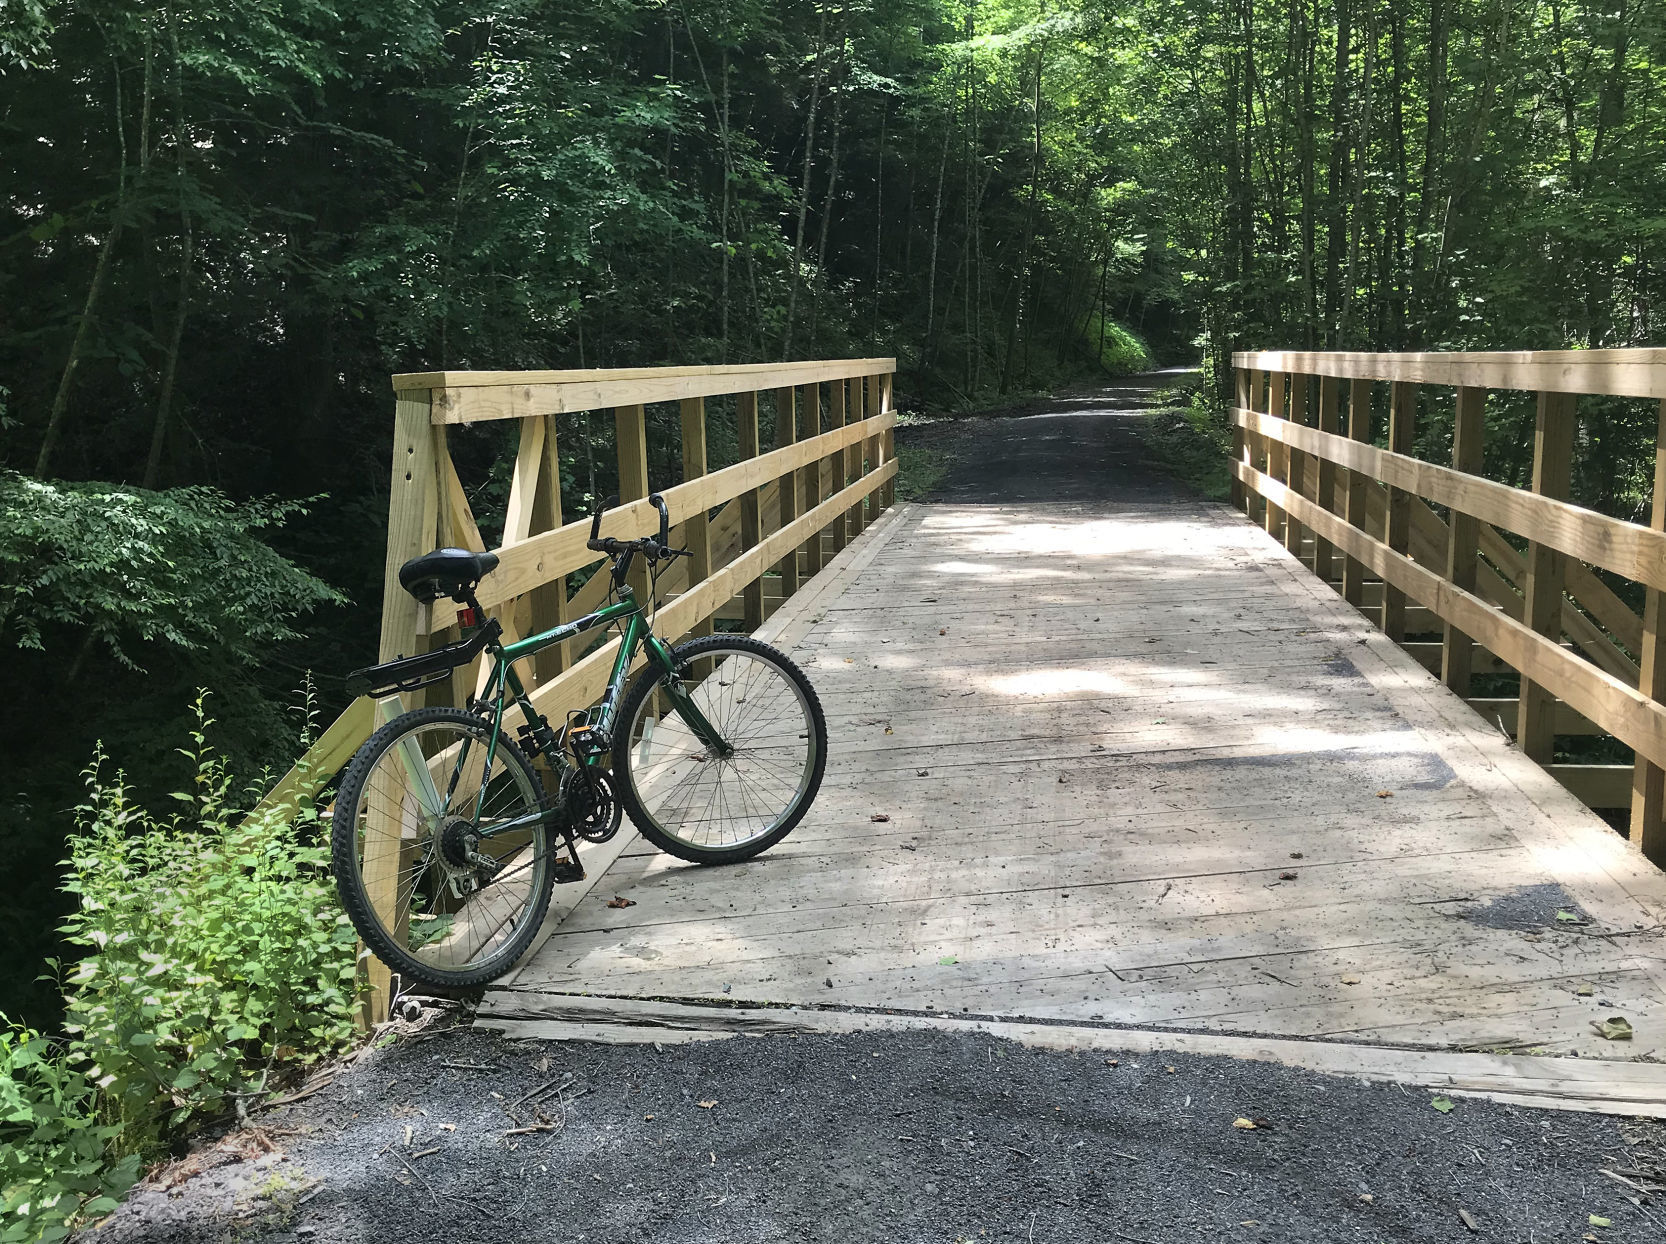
x=122 y=566
x=53 y=1145
x=1122 y=352
x=1192 y=442
x=215 y=953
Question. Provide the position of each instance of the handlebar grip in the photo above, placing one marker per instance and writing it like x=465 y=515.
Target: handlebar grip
x=664 y=518
x=596 y=522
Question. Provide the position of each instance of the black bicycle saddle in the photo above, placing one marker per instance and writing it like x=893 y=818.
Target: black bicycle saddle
x=445 y=572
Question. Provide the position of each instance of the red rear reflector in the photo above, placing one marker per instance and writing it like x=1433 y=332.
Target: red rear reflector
x=468 y=617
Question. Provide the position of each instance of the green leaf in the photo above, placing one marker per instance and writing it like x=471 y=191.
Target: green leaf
x=948 y=959
x=1567 y=917
x=1597 y=1220
x=1443 y=1104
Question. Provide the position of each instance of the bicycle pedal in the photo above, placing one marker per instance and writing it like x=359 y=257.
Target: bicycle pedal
x=568 y=870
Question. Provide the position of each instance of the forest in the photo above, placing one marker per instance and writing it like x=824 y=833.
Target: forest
x=222 y=227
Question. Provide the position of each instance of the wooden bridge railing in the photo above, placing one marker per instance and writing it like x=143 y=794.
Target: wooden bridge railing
x=831 y=473
x=1305 y=465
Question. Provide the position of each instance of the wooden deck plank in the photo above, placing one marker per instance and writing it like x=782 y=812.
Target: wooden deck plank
x=1097 y=736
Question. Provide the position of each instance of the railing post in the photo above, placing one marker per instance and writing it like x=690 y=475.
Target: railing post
x=1241 y=378
x=1297 y=461
x=1402 y=428
x=1463 y=542
x=1542 y=594
x=853 y=456
x=1329 y=421
x=751 y=525
x=1277 y=459
x=1648 y=780
x=696 y=529
x=630 y=429
x=413 y=526
x=887 y=441
x=1359 y=429
x=875 y=404
x=809 y=475
x=786 y=490
x=836 y=460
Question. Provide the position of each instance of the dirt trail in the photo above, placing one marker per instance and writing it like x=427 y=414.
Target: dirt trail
x=921 y=1136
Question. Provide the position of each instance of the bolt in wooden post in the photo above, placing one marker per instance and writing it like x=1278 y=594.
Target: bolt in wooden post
x=1463 y=536
x=1324 y=560
x=786 y=432
x=630 y=429
x=836 y=460
x=1648 y=780
x=1546 y=569
x=1298 y=464
x=1359 y=429
x=751 y=525
x=1402 y=427
x=696 y=529
x=1277 y=459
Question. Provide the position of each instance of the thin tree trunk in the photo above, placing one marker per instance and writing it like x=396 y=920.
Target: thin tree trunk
x=1029 y=229
x=1361 y=148
x=101 y=270
x=879 y=217
x=1336 y=223
x=826 y=217
x=936 y=226
x=182 y=300
x=1429 y=192
x=804 y=187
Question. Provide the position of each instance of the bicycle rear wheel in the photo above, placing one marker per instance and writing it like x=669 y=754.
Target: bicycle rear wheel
x=711 y=809
x=436 y=900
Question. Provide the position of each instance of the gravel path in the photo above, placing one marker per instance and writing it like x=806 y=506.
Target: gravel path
x=919 y=1136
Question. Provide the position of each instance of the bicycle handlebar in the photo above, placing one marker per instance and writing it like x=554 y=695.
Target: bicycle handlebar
x=651 y=548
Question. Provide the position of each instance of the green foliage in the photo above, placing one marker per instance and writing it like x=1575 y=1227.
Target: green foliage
x=1115 y=347
x=54 y=1163
x=124 y=566
x=213 y=947
x=1190 y=440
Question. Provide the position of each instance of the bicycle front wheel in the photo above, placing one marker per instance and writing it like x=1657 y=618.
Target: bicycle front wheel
x=433 y=890
x=721 y=809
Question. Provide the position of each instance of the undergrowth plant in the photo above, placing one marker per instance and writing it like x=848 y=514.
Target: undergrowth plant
x=214 y=954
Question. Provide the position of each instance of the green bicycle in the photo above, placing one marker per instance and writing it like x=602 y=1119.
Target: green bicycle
x=446 y=841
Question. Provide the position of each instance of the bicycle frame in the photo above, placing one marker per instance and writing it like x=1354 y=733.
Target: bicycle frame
x=504 y=685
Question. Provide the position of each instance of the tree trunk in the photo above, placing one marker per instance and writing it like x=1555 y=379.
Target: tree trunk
x=1023 y=282
x=804 y=187
x=182 y=299
x=1336 y=224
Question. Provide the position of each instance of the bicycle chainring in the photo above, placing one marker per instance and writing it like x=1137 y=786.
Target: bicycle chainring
x=592 y=811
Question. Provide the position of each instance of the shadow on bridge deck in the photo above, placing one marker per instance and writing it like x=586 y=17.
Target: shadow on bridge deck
x=1125 y=761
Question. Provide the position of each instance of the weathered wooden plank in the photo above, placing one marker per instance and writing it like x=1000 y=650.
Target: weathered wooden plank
x=1618 y=373
x=1546 y=578
x=1359 y=431
x=1648 y=782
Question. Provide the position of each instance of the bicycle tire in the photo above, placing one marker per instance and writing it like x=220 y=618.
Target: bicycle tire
x=344 y=843
x=625 y=769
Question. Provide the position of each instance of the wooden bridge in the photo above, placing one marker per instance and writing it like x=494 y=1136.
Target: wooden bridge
x=1143 y=764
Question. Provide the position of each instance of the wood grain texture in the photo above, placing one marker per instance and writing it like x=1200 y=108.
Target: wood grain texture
x=1619 y=373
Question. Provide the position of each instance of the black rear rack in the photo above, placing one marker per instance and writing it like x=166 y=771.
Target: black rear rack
x=410 y=673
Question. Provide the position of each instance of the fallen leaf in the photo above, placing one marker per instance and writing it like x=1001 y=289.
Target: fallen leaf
x=850 y=660
x=1350 y=980
x=1061 y=779
x=1245 y=1125
x=880 y=818
x=1584 y=989
x=1366 y=1197
x=946 y=960
x=1597 y=1220
x=620 y=901
x=1614 y=1028
x=1110 y=1062
x=922 y=773
x=647 y=1118
x=1295 y=855
x=1443 y=1104
x=1385 y=794
x=1248 y=1222
x=1287 y=876
x=1566 y=917
x=888 y=730
x=706 y=1105
x=1469 y=1220
x=1170 y=1070
x=942 y=630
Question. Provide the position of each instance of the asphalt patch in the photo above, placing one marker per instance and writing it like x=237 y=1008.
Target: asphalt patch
x=1527 y=908
x=919 y=1136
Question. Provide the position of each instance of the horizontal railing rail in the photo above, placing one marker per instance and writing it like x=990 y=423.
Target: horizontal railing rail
x=1443 y=542
x=831 y=472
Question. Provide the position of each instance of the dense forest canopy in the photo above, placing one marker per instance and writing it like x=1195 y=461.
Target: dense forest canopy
x=222 y=227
